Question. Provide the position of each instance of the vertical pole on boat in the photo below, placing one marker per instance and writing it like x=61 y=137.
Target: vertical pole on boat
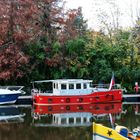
x=33 y=85
x=111 y=120
x=112 y=82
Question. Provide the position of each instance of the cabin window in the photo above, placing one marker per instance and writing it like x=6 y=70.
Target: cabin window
x=85 y=85
x=85 y=119
x=78 y=86
x=63 y=86
x=91 y=84
x=71 y=86
x=55 y=86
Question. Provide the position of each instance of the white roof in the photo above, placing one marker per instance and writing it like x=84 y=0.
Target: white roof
x=64 y=81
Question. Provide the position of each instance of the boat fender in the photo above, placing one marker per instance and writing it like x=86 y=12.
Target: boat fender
x=136 y=132
x=122 y=130
x=36 y=116
x=34 y=91
x=67 y=100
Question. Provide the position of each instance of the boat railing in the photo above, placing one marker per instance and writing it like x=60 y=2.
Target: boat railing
x=38 y=91
x=92 y=87
x=106 y=86
x=14 y=88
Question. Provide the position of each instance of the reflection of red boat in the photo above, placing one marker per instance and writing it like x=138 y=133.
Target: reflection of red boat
x=91 y=108
x=72 y=115
x=73 y=91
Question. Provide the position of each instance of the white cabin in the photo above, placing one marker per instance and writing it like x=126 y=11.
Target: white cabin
x=72 y=87
x=69 y=86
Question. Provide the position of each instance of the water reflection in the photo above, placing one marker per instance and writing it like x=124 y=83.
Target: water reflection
x=73 y=115
x=11 y=114
x=63 y=122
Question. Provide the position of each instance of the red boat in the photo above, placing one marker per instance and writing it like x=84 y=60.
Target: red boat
x=73 y=91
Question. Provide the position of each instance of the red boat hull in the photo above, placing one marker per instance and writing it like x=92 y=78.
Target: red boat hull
x=96 y=97
x=91 y=108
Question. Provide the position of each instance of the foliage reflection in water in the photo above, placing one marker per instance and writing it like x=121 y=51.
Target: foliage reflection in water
x=61 y=122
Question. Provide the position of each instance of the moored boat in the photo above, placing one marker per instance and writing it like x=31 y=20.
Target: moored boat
x=101 y=132
x=10 y=94
x=73 y=91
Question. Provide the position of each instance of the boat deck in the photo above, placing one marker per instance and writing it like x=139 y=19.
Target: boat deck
x=131 y=97
x=26 y=100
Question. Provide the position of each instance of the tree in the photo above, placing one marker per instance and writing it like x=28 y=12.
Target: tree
x=14 y=24
x=72 y=28
x=22 y=22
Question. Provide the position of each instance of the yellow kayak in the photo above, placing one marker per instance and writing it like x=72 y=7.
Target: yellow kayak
x=101 y=132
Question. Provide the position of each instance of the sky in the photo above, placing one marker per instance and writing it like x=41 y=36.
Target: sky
x=128 y=11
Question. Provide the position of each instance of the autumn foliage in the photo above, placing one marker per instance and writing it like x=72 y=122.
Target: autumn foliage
x=26 y=21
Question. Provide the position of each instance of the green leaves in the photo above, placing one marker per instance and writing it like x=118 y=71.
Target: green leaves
x=56 y=47
x=76 y=45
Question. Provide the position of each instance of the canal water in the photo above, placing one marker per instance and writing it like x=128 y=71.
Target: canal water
x=31 y=123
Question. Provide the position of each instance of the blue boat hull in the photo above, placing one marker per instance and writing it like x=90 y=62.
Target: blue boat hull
x=8 y=98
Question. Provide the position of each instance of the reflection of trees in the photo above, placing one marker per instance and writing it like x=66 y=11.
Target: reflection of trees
x=130 y=119
x=19 y=131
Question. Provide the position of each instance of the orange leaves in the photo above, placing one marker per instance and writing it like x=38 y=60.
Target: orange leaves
x=54 y=61
x=5 y=75
x=1 y=42
x=19 y=37
x=11 y=62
